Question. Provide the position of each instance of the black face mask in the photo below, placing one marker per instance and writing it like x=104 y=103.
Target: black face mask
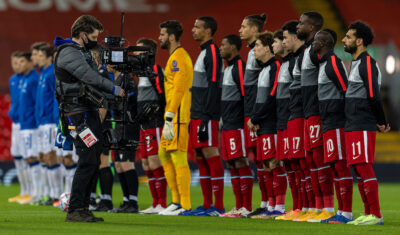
x=90 y=44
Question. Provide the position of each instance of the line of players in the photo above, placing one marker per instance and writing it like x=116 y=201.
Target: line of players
x=292 y=107
x=42 y=168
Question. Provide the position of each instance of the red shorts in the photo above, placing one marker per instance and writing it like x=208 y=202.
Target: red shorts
x=266 y=147
x=312 y=133
x=213 y=128
x=150 y=140
x=250 y=137
x=295 y=129
x=233 y=144
x=282 y=150
x=334 y=145
x=360 y=147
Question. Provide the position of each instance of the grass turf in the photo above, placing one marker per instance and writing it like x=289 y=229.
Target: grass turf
x=18 y=219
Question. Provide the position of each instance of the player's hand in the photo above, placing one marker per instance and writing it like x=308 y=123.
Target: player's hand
x=383 y=128
x=168 y=130
x=202 y=134
x=250 y=124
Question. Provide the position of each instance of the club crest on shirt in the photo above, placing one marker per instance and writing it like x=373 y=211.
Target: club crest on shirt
x=174 y=65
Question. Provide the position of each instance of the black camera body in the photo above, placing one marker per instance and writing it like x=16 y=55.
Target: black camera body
x=123 y=58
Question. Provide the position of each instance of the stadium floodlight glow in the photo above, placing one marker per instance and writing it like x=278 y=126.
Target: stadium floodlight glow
x=390 y=64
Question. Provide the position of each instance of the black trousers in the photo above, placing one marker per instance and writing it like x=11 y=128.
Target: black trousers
x=89 y=160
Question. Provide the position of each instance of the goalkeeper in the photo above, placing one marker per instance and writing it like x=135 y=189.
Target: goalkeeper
x=175 y=135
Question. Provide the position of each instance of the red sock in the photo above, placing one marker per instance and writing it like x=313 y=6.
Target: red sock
x=302 y=189
x=307 y=182
x=261 y=182
x=152 y=186
x=246 y=186
x=326 y=184
x=280 y=185
x=235 y=180
x=363 y=196
x=370 y=187
x=161 y=186
x=319 y=203
x=205 y=182
x=345 y=185
x=269 y=184
x=217 y=180
x=292 y=183
x=325 y=178
x=297 y=175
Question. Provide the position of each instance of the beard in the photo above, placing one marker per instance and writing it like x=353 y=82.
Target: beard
x=350 y=49
x=165 y=45
x=301 y=36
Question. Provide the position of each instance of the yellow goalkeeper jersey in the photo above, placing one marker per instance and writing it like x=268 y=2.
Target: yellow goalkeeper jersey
x=178 y=79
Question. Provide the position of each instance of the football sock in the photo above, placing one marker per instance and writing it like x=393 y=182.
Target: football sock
x=246 y=186
x=279 y=186
x=217 y=180
x=56 y=179
x=179 y=159
x=69 y=176
x=307 y=192
x=124 y=186
x=269 y=184
x=235 y=180
x=106 y=183
x=183 y=183
x=345 y=180
x=152 y=186
x=161 y=186
x=337 y=192
x=205 y=182
x=20 y=166
x=370 y=187
x=170 y=174
x=35 y=174
x=325 y=179
x=261 y=182
x=133 y=184
x=45 y=181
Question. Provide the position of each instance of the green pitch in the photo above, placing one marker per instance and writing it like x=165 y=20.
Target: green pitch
x=18 y=219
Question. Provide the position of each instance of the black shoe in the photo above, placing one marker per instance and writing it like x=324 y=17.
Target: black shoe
x=120 y=208
x=92 y=204
x=104 y=206
x=79 y=215
x=96 y=219
x=256 y=212
x=131 y=207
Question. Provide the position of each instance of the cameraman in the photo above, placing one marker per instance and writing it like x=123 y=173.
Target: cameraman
x=75 y=69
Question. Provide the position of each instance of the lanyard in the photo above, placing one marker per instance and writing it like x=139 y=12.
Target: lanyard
x=72 y=124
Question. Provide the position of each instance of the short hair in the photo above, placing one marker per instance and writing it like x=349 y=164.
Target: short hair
x=209 y=23
x=328 y=38
x=47 y=50
x=234 y=39
x=257 y=20
x=26 y=55
x=152 y=44
x=363 y=31
x=332 y=33
x=278 y=34
x=267 y=39
x=37 y=45
x=86 y=24
x=16 y=54
x=316 y=19
x=291 y=27
x=173 y=27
